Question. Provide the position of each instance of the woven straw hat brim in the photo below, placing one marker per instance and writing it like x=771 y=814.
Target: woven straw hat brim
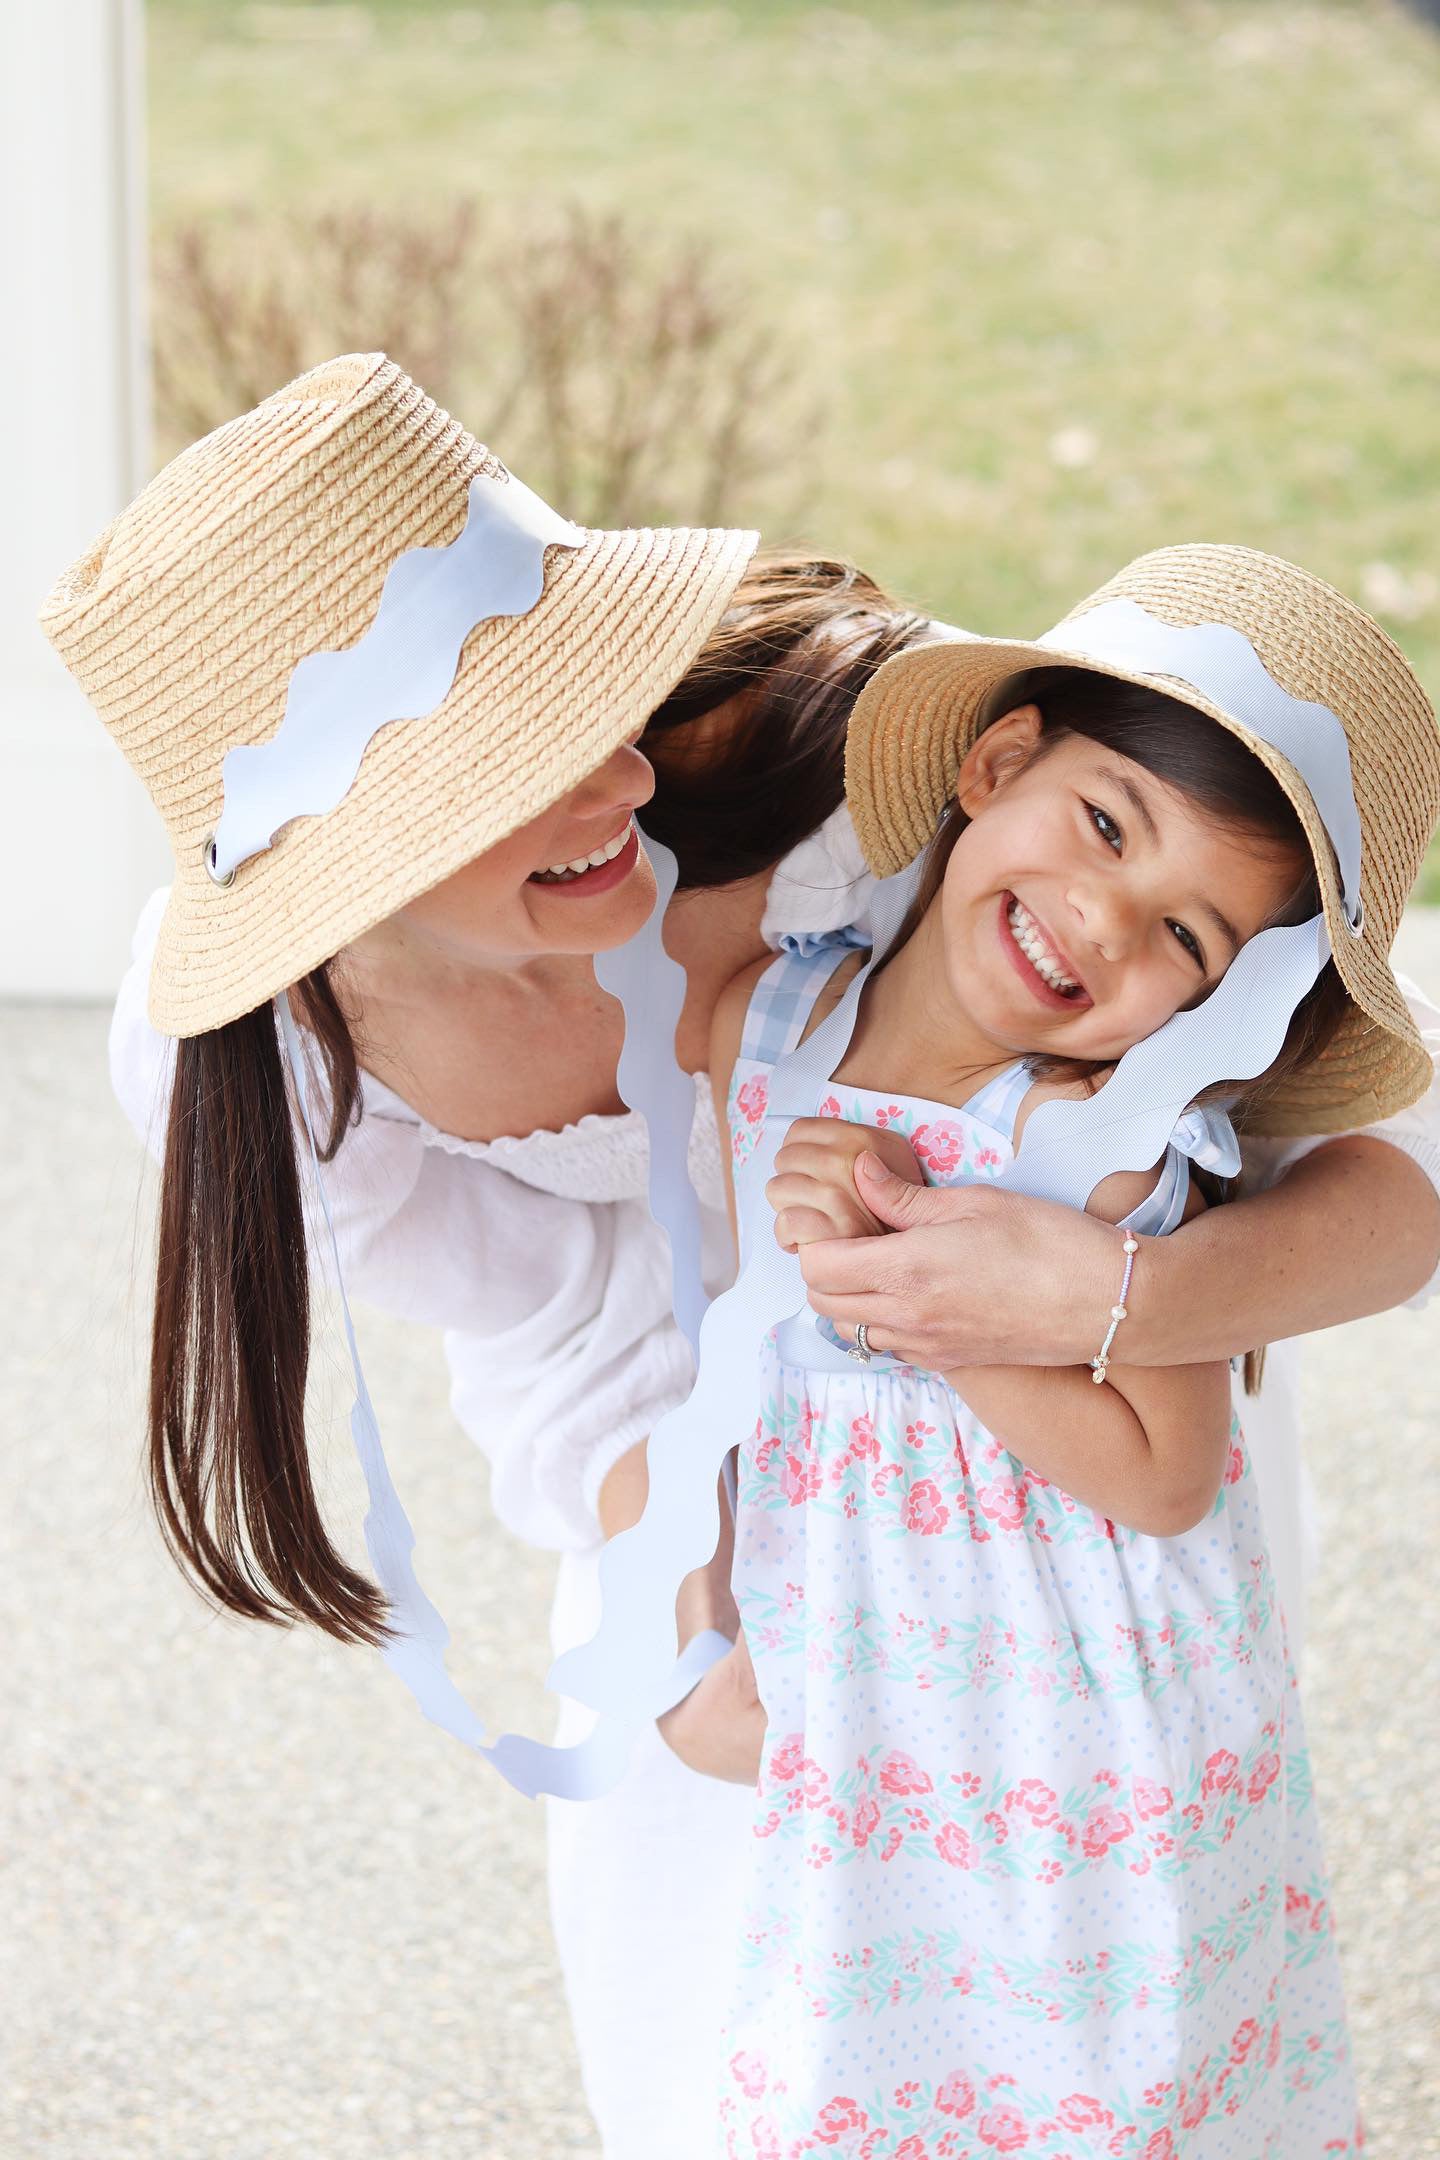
x=271 y=539
x=919 y=715
x=434 y=793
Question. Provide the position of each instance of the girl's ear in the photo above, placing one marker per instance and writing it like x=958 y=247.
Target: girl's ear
x=1005 y=749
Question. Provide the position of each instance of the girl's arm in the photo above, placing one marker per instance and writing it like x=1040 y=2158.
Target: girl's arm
x=979 y=1276
x=1147 y=1448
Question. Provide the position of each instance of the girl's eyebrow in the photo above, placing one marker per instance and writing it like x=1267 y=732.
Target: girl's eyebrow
x=1136 y=799
x=1224 y=925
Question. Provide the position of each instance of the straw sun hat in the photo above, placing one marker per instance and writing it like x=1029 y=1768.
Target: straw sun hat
x=920 y=713
x=270 y=540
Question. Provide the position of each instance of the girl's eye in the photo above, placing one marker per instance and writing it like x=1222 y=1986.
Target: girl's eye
x=1105 y=825
x=1190 y=943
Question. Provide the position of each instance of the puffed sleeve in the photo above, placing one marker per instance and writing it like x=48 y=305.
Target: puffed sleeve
x=556 y=1397
x=1416 y=1131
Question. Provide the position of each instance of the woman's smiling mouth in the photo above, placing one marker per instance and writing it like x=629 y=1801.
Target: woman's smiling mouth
x=1038 y=961
x=603 y=867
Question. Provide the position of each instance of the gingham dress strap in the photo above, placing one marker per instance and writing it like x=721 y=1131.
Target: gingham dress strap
x=997 y=1104
x=784 y=998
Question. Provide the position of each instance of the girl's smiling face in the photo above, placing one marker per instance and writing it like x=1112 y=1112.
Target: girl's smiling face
x=1086 y=901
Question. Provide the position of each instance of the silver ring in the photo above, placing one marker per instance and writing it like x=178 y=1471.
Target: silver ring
x=860 y=1349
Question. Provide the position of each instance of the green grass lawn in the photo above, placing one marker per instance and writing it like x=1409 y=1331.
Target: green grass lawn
x=1074 y=279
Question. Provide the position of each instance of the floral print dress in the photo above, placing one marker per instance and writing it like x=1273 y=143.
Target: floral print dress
x=1035 y=1861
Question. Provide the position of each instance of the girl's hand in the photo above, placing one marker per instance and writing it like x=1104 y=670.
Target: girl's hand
x=813 y=1189
x=719 y=1729
x=974 y=1275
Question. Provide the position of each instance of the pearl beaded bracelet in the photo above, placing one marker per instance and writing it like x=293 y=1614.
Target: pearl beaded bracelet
x=1100 y=1365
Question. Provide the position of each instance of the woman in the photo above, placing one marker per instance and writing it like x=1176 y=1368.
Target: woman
x=485 y=1176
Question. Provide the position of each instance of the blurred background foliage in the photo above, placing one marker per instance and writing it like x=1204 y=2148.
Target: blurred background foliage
x=990 y=295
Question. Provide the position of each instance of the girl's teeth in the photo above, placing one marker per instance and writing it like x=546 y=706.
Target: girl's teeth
x=1026 y=934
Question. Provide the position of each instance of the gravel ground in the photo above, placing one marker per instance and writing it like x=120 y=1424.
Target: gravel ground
x=254 y=1907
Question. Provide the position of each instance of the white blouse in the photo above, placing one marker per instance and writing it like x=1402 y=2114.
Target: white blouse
x=537 y=1255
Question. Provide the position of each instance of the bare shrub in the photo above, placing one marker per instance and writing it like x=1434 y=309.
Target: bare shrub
x=243 y=303
x=621 y=374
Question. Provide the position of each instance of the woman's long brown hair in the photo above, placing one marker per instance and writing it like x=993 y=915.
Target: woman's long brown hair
x=228 y=1460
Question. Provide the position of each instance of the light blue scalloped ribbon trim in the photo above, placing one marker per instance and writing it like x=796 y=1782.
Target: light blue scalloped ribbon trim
x=400 y=670
x=628 y=1673
x=1221 y=663
x=419 y=1637
x=1066 y=1149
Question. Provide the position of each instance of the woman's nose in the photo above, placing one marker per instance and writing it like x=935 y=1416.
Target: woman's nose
x=626 y=781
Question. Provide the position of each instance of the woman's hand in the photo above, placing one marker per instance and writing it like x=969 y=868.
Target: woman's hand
x=719 y=1729
x=975 y=1276
x=813 y=1189
x=979 y=1276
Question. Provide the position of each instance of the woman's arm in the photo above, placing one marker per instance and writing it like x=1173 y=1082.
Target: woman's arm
x=1147 y=1448
x=979 y=1276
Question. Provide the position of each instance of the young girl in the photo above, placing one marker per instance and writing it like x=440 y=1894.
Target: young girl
x=1035 y=1866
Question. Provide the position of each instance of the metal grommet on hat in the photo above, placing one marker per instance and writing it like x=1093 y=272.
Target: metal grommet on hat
x=216 y=875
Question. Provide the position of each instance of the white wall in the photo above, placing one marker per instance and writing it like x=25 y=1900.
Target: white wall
x=81 y=846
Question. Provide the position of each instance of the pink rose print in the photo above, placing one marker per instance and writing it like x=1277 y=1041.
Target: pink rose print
x=1194 y=2110
x=1235 y=1466
x=748 y=2071
x=787 y=1758
x=836 y=2117
x=925 y=1511
x=1263 y=1776
x=816 y=1781
x=1080 y=2112
x=1004 y=2128
x=912 y=2148
x=956 y=2096
x=801 y=1479
x=901 y=1774
x=1151 y=1799
x=766 y=2139
x=1247 y=2039
x=1160 y=2147
x=1004 y=1502
x=1220 y=1771
x=864 y=1447
x=865 y=1822
x=939 y=1147
x=954 y=1844
x=1104 y=1826
x=1033 y=1798
x=751 y=1098
x=830 y=1108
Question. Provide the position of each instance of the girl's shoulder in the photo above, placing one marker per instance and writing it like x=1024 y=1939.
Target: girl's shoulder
x=1123 y=1191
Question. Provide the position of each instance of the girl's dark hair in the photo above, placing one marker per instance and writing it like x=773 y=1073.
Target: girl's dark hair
x=1214 y=770
x=229 y=1467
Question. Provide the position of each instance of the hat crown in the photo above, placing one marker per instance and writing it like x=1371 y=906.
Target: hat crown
x=915 y=720
x=1316 y=644
x=265 y=541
